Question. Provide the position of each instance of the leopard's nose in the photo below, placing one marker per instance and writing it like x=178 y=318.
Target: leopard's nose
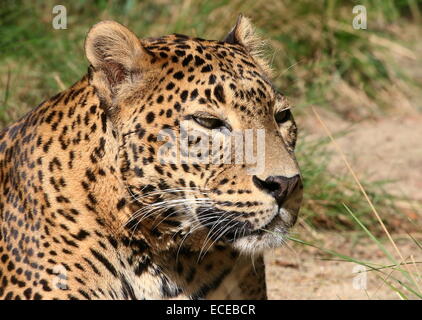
x=278 y=186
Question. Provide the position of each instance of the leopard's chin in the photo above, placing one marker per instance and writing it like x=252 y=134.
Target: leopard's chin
x=273 y=235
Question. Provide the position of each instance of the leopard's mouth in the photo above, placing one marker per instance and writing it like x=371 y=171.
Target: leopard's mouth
x=271 y=235
x=235 y=231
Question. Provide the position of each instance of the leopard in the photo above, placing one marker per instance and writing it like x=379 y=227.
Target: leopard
x=97 y=203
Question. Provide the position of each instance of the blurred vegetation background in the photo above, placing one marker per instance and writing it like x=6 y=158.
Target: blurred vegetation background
x=320 y=61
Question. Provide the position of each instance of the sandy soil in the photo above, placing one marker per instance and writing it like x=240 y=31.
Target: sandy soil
x=299 y=272
x=387 y=149
x=390 y=149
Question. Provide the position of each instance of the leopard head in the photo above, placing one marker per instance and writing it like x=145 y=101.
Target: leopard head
x=206 y=141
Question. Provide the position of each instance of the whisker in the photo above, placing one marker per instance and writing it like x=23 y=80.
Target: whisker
x=210 y=234
x=224 y=231
x=191 y=231
x=163 y=205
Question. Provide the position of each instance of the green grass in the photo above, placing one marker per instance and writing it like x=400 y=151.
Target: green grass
x=320 y=61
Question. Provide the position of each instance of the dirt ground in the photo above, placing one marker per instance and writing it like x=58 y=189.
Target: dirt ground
x=300 y=272
x=388 y=149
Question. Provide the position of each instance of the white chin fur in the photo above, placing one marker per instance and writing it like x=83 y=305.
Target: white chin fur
x=259 y=243
x=275 y=237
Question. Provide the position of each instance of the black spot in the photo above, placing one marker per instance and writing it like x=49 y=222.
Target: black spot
x=113 y=242
x=90 y=175
x=37 y=296
x=27 y=293
x=194 y=94
x=121 y=203
x=104 y=122
x=212 y=79
x=158 y=169
x=170 y=85
x=186 y=60
x=184 y=95
x=180 y=53
x=160 y=99
x=139 y=172
x=177 y=106
x=178 y=75
x=199 y=61
x=224 y=181
x=219 y=93
x=207 y=68
x=150 y=117
x=84 y=294
x=82 y=234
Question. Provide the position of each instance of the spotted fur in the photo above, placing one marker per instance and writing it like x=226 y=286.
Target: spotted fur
x=88 y=211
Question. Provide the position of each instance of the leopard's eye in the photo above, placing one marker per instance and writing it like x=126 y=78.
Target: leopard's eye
x=209 y=122
x=282 y=116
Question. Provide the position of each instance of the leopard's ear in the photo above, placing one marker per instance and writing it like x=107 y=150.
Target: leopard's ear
x=117 y=57
x=244 y=33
